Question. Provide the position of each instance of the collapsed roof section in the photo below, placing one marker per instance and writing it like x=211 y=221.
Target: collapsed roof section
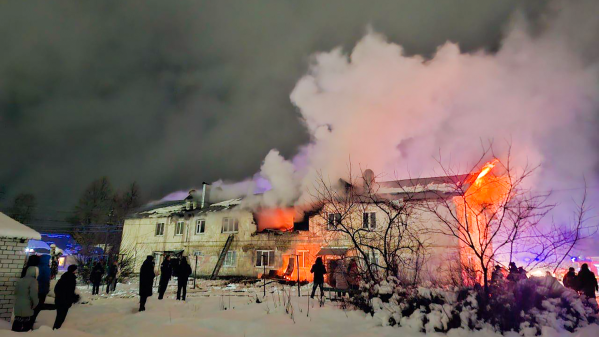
x=181 y=208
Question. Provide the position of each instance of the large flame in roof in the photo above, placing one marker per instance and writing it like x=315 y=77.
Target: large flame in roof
x=485 y=170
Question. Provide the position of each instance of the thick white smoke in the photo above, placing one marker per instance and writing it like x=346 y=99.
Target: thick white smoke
x=395 y=114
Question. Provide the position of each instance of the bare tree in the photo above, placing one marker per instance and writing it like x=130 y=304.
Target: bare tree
x=495 y=215
x=376 y=226
x=23 y=208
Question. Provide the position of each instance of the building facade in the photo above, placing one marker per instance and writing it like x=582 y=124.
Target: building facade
x=277 y=245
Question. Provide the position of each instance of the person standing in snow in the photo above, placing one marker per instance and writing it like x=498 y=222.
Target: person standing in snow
x=111 y=276
x=354 y=275
x=64 y=294
x=570 y=279
x=184 y=270
x=43 y=280
x=146 y=280
x=522 y=274
x=318 y=270
x=53 y=267
x=165 y=275
x=587 y=283
x=32 y=261
x=26 y=300
x=513 y=275
x=96 y=277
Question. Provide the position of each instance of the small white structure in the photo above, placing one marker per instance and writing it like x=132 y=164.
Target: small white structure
x=14 y=238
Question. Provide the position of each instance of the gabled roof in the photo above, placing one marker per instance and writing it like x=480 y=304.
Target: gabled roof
x=11 y=228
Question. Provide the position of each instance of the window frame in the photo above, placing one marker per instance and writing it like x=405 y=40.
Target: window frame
x=227 y=228
x=203 y=227
x=369 y=220
x=304 y=255
x=234 y=262
x=260 y=253
x=160 y=225
x=179 y=228
x=333 y=222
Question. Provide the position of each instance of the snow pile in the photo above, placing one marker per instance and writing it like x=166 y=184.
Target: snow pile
x=10 y=228
x=527 y=308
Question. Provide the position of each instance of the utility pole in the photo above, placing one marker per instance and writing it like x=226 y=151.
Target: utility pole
x=298 y=276
x=195 y=272
x=264 y=274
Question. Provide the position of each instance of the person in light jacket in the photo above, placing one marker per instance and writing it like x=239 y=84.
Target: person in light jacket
x=26 y=300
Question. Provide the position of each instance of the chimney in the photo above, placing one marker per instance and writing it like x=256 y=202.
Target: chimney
x=203 y=194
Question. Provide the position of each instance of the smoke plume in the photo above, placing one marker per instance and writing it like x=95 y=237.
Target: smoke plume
x=378 y=108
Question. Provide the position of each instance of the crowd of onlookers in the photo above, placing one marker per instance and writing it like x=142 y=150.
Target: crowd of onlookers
x=585 y=282
x=33 y=288
x=170 y=267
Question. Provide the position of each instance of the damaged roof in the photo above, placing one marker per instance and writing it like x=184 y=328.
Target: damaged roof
x=178 y=207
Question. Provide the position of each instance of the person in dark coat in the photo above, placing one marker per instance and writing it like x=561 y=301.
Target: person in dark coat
x=53 y=267
x=514 y=275
x=175 y=265
x=587 y=283
x=111 y=276
x=165 y=275
x=43 y=280
x=318 y=270
x=96 y=277
x=570 y=279
x=65 y=296
x=184 y=270
x=522 y=274
x=32 y=261
x=146 y=281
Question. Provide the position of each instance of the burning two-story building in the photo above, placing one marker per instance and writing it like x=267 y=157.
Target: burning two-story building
x=227 y=239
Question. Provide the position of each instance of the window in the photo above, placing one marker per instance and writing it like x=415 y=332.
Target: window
x=369 y=220
x=230 y=225
x=179 y=228
x=334 y=220
x=200 y=226
x=267 y=255
x=304 y=258
x=230 y=259
x=159 y=229
x=373 y=257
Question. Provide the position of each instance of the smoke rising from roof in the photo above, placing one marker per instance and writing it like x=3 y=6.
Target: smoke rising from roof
x=395 y=113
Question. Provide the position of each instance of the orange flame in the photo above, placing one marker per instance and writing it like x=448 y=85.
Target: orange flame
x=477 y=208
x=485 y=170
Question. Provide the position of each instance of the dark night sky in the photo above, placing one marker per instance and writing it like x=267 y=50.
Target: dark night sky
x=173 y=93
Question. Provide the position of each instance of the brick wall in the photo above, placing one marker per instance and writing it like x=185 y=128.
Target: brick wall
x=12 y=258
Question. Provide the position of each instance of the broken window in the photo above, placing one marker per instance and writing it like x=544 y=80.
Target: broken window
x=230 y=259
x=369 y=220
x=268 y=256
x=334 y=220
x=179 y=227
x=159 y=229
x=230 y=225
x=200 y=226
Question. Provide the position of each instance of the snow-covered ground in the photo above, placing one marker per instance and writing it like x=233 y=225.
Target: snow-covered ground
x=218 y=309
